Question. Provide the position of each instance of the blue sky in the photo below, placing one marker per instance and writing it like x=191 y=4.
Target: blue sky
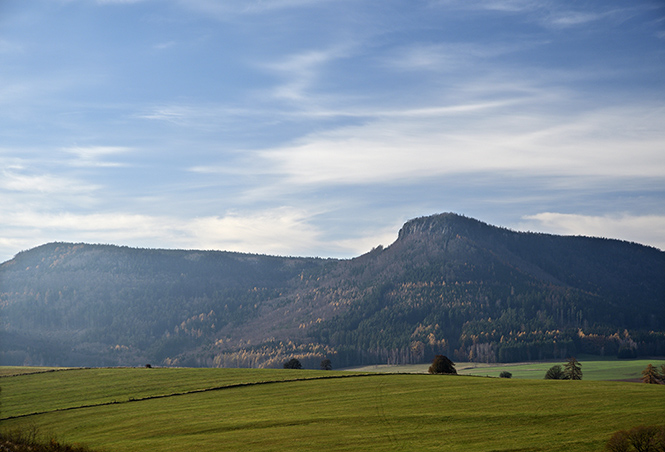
x=318 y=127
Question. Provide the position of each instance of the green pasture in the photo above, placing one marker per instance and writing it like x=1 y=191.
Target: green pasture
x=20 y=370
x=300 y=410
x=593 y=369
x=63 y=389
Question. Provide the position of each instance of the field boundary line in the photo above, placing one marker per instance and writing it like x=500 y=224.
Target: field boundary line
x=193 y=391
x=37 y=372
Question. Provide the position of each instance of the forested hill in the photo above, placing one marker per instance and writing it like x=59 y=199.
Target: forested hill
x=449 y=284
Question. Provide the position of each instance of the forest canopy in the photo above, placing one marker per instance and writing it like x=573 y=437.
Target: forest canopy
x=449 y=285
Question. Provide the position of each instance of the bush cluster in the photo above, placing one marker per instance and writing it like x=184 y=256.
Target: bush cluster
x=30 y=440
x=571 y=371
x=293 y=363
x=639 y=439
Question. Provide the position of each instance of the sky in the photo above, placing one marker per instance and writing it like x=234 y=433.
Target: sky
x=318 y=127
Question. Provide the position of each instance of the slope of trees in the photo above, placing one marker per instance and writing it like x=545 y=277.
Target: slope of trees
x=449 y=285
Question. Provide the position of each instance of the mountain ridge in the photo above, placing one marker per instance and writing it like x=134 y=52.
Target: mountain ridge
x=448 y=284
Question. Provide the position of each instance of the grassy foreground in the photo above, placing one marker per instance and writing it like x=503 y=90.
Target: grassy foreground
x=223 y=409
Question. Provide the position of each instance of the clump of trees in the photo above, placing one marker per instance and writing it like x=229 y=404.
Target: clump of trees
x=651 y=375
x=505 y=374
x=639 y=439
x=442 y=365
x=293 y=363
x=326 y=364
x=572 y=370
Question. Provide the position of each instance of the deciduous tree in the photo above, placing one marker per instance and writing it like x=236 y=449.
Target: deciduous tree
x=442 y=365
x=292 y=364
x=554 y=373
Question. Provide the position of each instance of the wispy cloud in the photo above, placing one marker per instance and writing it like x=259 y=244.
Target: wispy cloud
x=117 y=2
x=301 y=71
x=229 y=8
x=94 y=155
x=164 y=45
x=588 y=144
x=551 y=14
x=203 y=116
x=454 y=57
x=279 y=231
x=648 y=229
x=492 y=5
x=16 y=180
x=572 y=18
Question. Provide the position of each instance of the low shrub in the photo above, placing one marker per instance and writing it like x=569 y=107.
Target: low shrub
x=28 y=439
x=638 y=439
x=554 y=373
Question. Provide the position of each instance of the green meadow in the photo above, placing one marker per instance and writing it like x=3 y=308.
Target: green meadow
x=610 y=369
x=159 y=409
x=593 y=369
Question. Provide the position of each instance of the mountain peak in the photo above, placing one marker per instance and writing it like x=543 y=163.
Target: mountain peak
x=448 y=282
x=445 y=224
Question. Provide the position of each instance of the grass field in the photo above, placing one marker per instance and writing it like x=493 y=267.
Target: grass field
x=225 y=409
x=593 y=369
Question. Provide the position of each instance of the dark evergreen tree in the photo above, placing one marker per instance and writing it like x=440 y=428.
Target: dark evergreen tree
x=572 y=370
x=326 y=364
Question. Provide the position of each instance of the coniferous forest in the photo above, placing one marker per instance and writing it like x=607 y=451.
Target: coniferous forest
x=448 y=285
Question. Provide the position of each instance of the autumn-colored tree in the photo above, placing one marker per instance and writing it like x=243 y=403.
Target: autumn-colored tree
x=650 y=375
x=572 y=370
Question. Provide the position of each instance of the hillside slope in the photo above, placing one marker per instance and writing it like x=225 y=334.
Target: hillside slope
x=449 y=284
